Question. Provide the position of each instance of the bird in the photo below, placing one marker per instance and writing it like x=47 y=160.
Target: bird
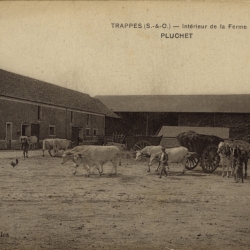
x=13 y=163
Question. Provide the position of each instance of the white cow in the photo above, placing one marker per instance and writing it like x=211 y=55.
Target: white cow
x=98 y=155
x=48 y=144
x=149 y=151
x=225 y=157
x=69 y=154
x=175 y=155
x=60 y=144
x=178 y=155
x=33 y=141
x=55 y=144
x=121 y=146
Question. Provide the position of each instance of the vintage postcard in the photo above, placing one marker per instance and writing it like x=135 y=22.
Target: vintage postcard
x=124 y=125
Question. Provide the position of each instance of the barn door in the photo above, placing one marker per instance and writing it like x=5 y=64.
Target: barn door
x=35 y=131
x=8 y=134
x=75 y=137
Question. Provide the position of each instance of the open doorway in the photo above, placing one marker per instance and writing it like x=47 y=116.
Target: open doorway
x=26 y=130
x=80 y=135
x=75 y=137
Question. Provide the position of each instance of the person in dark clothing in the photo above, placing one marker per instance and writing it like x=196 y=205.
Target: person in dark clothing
x=25 y=147
x=163 y=162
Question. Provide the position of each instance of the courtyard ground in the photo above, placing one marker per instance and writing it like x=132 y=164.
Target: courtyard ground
x=44 y=206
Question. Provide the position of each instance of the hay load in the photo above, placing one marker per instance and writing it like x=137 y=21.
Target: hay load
x=197 y=142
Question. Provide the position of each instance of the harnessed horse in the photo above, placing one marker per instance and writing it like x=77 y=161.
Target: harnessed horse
x=225 y=156
x=239 y=157
x=233 y=157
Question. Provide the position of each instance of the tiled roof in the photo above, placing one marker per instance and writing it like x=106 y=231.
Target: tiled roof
x=178 y=103
x=25 y=88
x=106 y=110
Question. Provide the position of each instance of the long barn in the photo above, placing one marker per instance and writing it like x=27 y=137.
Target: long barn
x=29 y=107
x=146 y=114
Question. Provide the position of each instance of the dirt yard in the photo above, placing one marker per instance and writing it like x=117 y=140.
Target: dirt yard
x=44 y=206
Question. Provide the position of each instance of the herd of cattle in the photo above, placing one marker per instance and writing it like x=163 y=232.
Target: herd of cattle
x=93 y=155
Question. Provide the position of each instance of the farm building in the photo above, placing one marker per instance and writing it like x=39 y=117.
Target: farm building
x=30 y=107
x=147 y=114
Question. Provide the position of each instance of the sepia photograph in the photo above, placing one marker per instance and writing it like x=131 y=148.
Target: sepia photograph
x=125 y=125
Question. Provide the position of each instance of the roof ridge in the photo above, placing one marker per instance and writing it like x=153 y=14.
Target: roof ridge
x=22 y=87
x=238 y=103
x=41 y=81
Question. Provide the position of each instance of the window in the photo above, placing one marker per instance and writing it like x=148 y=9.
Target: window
x=95 y=132
x=52 y=130
x=87 y=132
x=88 y=119
x=39 y=113
x=71 y=116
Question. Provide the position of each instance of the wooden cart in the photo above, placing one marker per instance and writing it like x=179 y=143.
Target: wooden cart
x=202 y=149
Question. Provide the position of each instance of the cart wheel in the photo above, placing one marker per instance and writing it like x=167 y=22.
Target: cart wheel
x=141 y=145
x=192 y=162
x=210 y=159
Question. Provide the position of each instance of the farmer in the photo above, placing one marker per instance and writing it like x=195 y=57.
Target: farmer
x=163 y=162
x=25 y=147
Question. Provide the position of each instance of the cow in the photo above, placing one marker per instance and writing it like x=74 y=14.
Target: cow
x=69 y=154
x=175 y=155
x=48 y=144
x=55 y=144
x=121 y=146
x=61 y=144
x=225 y=157
x=98 y=155
x=32 y=141
x=152 y=152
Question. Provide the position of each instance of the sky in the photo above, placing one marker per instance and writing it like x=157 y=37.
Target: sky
x=74 y=44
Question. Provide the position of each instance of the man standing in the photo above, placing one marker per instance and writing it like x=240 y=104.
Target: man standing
x=25 y=147
x=163 y=162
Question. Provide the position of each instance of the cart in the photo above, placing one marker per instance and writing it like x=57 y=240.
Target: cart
x=202 y=149
x=132 y=142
